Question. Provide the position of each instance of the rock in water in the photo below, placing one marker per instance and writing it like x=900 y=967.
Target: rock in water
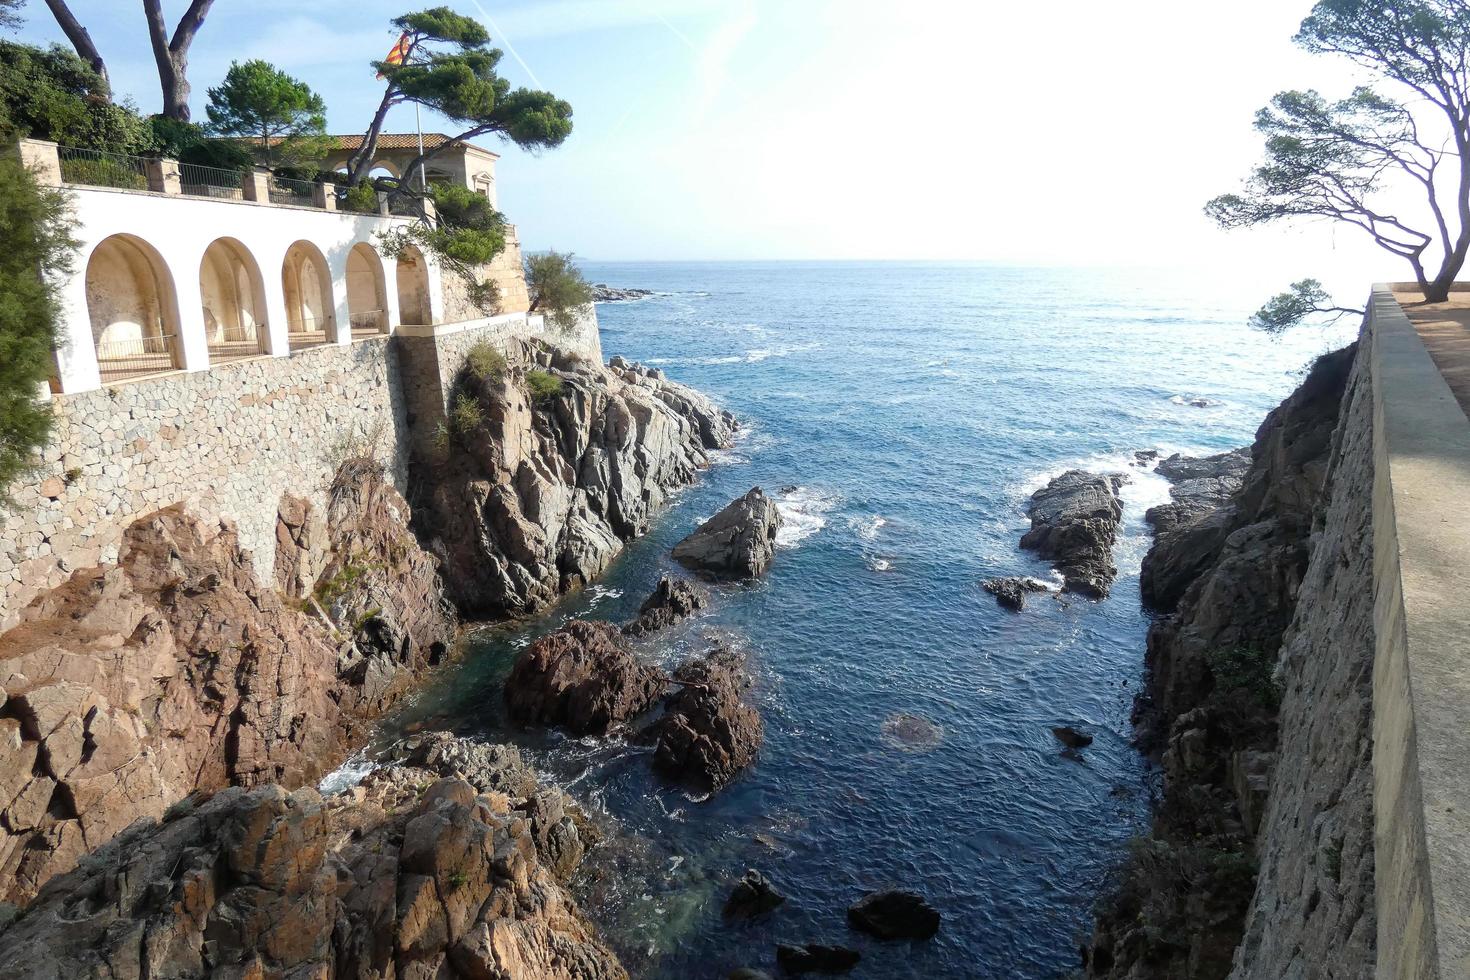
x=405 y=876
x=911 y=732
x=603 y=293
x=894 y=915
x=538 y=494
x=1010 y=593
x=753 y=895
x=708 y=733
x=672 y=600
x=1074 y=522
x=738 y=542
x=1190 y=530
x=1071 y=737
x=584 y=678
x=816 y=958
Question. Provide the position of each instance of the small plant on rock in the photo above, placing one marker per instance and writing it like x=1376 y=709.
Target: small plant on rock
x=467 y=414
x=485 y=362
x=542 y=385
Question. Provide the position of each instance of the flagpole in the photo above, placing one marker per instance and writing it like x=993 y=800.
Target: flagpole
x=418 y=120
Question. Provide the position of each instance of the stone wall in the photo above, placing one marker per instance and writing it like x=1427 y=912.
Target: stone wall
x=230 y=441
x=508 y=273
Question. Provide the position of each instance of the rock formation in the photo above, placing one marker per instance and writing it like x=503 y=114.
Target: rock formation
x=738 y=542
x=535 y=494
x=708 y=733
x=583 y=678
x=603 y=293
x=1010 y=592
x=816 y=958
x=1190 y=528
x=752 y=895
x=672 y=600
x=1212 y=702
x=407 y=875
x=894 y=914
x=130 y=686
x=1074 y=522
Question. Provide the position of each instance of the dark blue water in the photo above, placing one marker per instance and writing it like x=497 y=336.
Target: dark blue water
x=902 y=414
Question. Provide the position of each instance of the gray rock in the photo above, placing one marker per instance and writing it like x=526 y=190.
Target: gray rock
x=1074 y=522
x=1071 y=737
x=816 y=958
x=738 y=542
x=672 y=600
x=1190 y=530
x=603 y=293
x=1011 y=592
x=752 y=895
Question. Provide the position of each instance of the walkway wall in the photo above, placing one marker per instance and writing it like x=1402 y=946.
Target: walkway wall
x=230 y=441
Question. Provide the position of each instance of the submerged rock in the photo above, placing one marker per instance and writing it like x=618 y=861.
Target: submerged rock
x=708 y=733
x=1074 y=522
x=405 y=876
x=537 y=494
x=1010 y=592
x=752 y=895
x=583 y=678
x=1071 y=737
x=816 y=958
x=894 y=915
x=738 y=542
x=912 y=732
x=672 y=600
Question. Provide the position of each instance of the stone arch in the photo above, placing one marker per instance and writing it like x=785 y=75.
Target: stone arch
x=232 y=294
x=307 y=283
x=388 y=168
x=413 y=287
x=133 y=308
x=367 y=293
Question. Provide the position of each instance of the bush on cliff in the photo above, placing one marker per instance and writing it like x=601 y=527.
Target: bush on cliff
x=557 y=288
x=542 y=386
x=485 y=362
x=35 y=233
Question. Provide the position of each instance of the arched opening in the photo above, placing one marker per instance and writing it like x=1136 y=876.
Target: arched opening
x=233 y=298
x=413 y=287
x=134 y=313
x=308 y=288
x=367 y=297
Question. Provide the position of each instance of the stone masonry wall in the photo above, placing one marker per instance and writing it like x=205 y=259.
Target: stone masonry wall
x=507 y=272
x=228 y=441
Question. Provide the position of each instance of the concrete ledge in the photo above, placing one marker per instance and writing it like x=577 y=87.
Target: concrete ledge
x=1421 y=676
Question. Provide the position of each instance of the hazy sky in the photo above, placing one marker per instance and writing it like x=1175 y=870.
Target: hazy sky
x=1072 y=132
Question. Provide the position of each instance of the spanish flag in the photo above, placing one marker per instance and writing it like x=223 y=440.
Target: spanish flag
x=399 y=53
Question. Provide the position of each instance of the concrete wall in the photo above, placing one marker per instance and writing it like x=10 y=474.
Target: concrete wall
x=1421 y=673
x=231 y=440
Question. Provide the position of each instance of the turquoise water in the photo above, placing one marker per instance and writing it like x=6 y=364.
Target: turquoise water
x=901 y=414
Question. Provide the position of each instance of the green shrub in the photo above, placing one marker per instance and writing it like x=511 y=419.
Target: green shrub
x=467 y=414
x=542 y=385
x=103 y=173
x=485 y=362
x=363 y=199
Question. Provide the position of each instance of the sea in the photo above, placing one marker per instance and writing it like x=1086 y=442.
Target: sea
x=901 y=415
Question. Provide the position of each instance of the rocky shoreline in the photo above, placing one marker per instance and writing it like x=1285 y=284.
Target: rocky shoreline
x=603 y=293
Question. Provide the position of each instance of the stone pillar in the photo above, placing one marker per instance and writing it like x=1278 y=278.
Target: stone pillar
x=193 y=343
x=278 y=336
x=76 y=351
x=324 y=195
x=430 y=211
x=41 y=159
x=163 y=176
x=257 y=185
x=383 y=203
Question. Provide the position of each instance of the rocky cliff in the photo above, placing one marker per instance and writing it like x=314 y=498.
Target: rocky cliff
x=1256 y=705
x=177 y=669
x=448 y=867
x=550 y=464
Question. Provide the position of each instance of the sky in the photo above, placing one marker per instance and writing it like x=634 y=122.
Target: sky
x=1066 y=133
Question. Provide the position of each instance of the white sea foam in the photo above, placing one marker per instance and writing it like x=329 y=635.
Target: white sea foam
x=879 y=564
x=803 y=511
x=867 y=528
x=347 y=775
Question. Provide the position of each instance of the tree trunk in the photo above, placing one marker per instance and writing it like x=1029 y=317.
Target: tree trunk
x=172 y=56
x=82 y=42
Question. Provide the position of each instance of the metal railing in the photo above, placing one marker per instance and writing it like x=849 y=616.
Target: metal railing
x=404 y=206
x=284 y=190
x=118 y=359
x=98 y=168
x=307 y=332
x=366 y=323
x=244 y=343
x=200 y=181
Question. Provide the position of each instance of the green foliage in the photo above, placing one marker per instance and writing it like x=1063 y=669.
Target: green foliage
x=467 y=416
x=557 y=287
x=35 y=228
x=467 y=234
x=9 y=19
x=542 y=385
x=1305 y=298
x=362 y=198
x=1245 y=699
x=104 y=172
x=189 y=143
x=485 y=362
x=259 y=101
x=51 y=94
x=457 y=880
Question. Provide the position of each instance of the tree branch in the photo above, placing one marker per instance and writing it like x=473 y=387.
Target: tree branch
x=81 y=41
